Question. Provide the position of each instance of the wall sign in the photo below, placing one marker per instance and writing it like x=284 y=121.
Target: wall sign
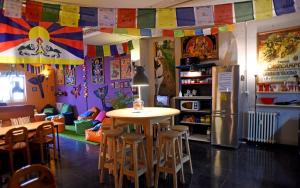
x=279 y=53
x=225 y=81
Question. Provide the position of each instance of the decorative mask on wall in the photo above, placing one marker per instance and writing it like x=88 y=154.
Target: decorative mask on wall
x=38 y=81
x=76 y=91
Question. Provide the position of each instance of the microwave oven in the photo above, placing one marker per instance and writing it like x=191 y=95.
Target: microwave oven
x=190 y=105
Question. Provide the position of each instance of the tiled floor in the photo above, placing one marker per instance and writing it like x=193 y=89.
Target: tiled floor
x=249 y=166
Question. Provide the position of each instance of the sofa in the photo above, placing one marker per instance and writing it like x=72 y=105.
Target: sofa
x=65 y=112
x=16 y=111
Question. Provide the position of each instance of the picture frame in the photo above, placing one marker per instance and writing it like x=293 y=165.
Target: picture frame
x=115 y=69
x=126 y=68
x=70 y=77
x=98 y=70
x=116 y=85
x=34 y=89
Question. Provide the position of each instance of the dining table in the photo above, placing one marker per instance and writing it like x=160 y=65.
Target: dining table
x=32 y=127
x=146 y=117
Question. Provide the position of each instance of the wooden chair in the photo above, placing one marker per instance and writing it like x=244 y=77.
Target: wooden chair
x=32 y=176
x=42 y=138
x=172 y=163
x=105 y=161
x=133 y=168
x=16 y=139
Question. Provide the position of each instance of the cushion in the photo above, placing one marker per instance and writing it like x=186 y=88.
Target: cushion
x=65 y=108
x=86 y=114
x=95 y=122
x=96 y=127
x=101 y=116
x=48 y=111
x=24 y=120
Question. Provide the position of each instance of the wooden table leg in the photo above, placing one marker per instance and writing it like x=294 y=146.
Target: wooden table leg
x=148 y=129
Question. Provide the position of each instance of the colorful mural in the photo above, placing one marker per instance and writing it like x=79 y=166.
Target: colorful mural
x=24 y=42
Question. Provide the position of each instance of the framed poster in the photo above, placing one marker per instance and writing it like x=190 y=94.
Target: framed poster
x=126 y=68
x=70 y=77
x=203 y=47
x=115 y=70
x=279 y=54
x=60 y=77
x=98 y=70
x=164 y=68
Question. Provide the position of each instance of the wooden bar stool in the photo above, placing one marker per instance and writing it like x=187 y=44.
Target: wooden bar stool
x=16 y=139
x=109 y=162
x=158 y=129
x=133 y=167
x=172 y=163
x=186 y=157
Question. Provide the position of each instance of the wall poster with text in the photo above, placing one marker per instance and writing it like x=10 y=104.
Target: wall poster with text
x=115 y=69
x=279 y=54
x=98 y=70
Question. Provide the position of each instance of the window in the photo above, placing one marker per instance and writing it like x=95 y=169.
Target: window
x=12 y=88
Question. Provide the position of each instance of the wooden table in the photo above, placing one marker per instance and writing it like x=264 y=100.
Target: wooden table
x=146 y=117
x=32 y=127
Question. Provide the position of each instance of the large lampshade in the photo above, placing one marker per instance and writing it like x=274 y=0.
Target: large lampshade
x=140 y=79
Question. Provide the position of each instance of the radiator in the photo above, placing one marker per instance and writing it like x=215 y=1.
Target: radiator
x=262 y=126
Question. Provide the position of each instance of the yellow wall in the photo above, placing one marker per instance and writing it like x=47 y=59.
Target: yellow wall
x=34 y=98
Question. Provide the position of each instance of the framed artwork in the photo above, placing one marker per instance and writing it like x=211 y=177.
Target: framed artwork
x=70 y=77
x=98 y=70
x=115 y=72
x=126 y=72
x=203 y=47
x=279 y=54
x=34 y=89
x=117 y=85
x=121 y=84
x=60 y=77
x=164 y=68
x=126 y=84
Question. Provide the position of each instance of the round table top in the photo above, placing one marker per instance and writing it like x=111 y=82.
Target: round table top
x=147 y=112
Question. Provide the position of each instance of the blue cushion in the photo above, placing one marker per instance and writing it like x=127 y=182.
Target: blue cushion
x=96 y=127
x=95 y=122
x=86 y=114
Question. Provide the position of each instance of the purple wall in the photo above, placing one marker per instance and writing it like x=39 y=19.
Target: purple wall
x=79 y=103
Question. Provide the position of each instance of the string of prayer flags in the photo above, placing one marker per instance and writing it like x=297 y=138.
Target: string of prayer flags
x=185 y=16
x=243 y=11
x=70 y=8
x=231 y=27
x=222 y=29
x=125 y=47
x=168 y=33
x=223 y=14
x=166 y=18
x=130 y=45
x=106 y=17
x=69 y=19
x=146 y=32
x=207 y=31
x=120 y=30
x=283 y=7
x=33 y=11
x=106 y=50
x=88 y=16
x=133 y=32
x=106 y=30
x=214 y=30
x=156 y=32
x=263 y=9
x=198 y=31
x=189 y=32
x=113 y=50
x=91 y=51
x=297 y=5
x=1 y=4
x=178 y=33
x=120 y=49
x=50 y=12
x=126 y=18
x=204 y=16
x=146 y=18
x=12 y=8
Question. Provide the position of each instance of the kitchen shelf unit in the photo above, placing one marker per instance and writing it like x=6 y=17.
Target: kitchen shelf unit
x=197 y=117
